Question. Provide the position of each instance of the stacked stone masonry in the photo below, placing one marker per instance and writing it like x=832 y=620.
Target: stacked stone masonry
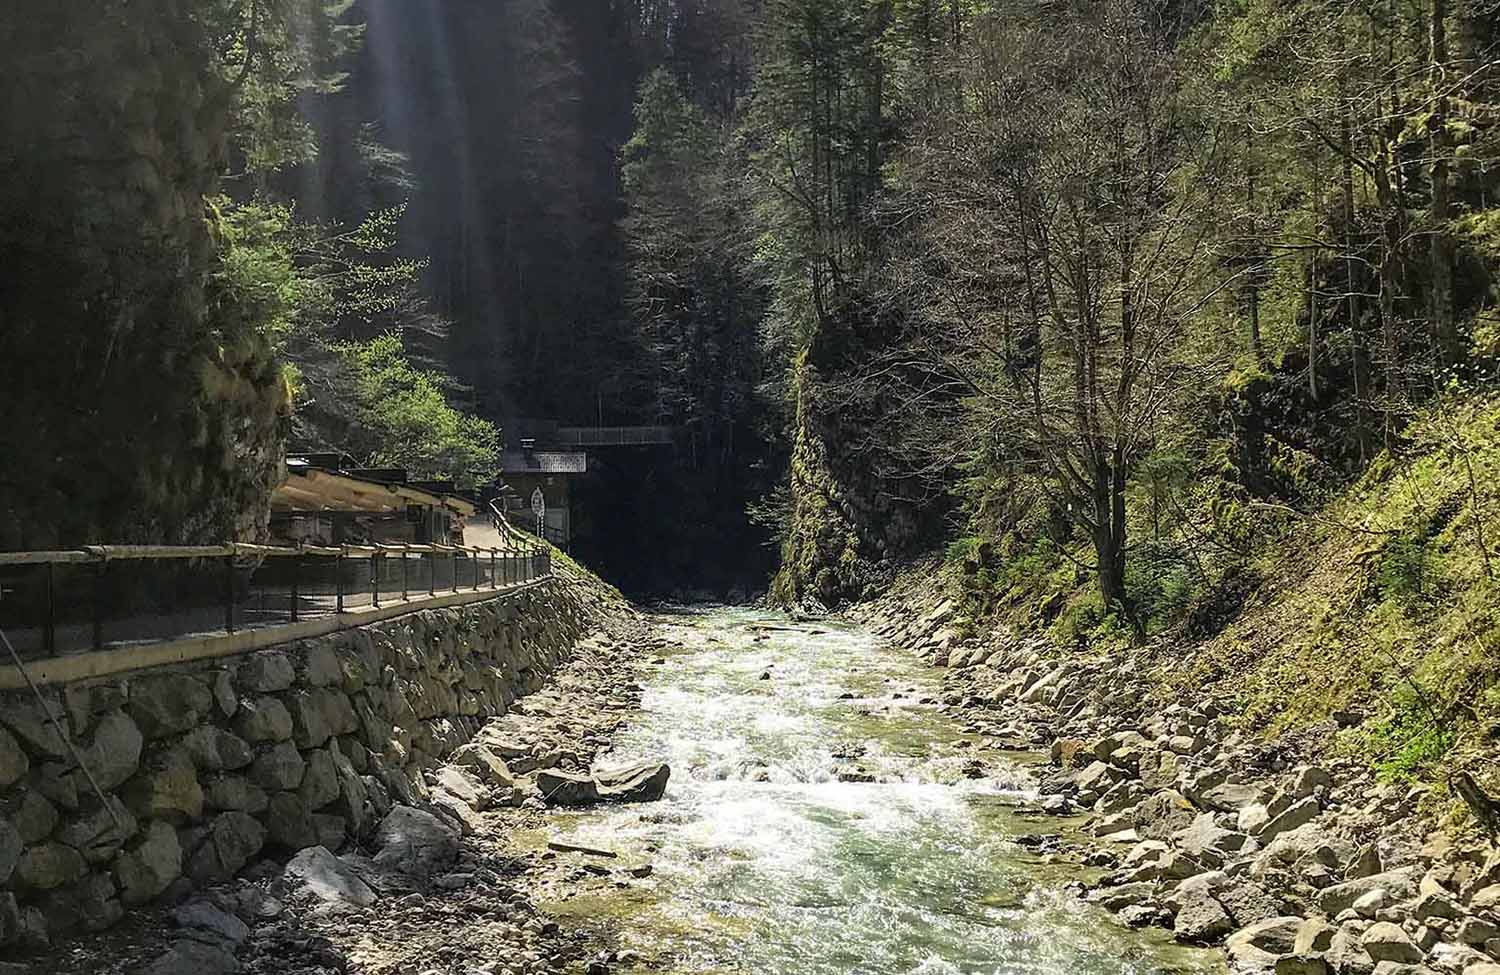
x=205 y=766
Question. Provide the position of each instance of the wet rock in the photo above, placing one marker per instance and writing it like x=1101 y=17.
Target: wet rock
x=318 y=873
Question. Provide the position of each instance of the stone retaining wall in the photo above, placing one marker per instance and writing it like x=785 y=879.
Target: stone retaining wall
x=209 y=764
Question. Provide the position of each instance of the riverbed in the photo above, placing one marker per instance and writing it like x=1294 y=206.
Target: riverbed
x=825 y=817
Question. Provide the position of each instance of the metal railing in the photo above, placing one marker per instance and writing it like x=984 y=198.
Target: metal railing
x=58 y=603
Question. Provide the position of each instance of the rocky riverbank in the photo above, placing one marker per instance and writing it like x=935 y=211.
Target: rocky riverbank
x=1295 y=861
x=449 y=884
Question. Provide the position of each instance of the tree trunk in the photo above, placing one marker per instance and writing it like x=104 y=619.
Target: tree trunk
x=1441 y=252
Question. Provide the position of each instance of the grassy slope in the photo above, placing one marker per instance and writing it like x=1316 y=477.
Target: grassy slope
x=1379 y=610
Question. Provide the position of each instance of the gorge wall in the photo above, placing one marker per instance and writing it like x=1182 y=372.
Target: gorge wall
x=204 y=766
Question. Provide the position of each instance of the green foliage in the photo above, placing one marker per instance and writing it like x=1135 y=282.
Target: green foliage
x=404 y=419
x=1410 y=740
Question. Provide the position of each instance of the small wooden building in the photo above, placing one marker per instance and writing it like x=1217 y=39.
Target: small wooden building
x=323 y=506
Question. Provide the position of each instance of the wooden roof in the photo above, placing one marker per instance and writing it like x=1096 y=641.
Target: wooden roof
x=309 y=489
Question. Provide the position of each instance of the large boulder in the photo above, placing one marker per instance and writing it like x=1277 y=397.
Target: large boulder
x=263 y=719
x=215 y=750
x=289 y=823
x=319 y=874
x=1162 y=814
x=280 y=767
x=1384 y=941
x=639 y=783
x=266 y=672
x=48 y=866
x=415 y=842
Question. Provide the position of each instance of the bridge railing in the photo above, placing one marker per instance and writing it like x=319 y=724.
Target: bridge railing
x=60 y=603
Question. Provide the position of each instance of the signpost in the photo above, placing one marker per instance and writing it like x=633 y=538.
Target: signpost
x=539 y=508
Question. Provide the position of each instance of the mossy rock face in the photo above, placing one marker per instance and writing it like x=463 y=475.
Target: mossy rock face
x=139 y=407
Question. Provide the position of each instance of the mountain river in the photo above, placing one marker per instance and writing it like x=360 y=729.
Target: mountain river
x=764 y=860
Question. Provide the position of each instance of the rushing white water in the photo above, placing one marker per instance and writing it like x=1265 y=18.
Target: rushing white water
x=766 y=862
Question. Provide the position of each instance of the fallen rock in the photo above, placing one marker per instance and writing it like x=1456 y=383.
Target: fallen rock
x=1201 y=919
x=1385 y=941
x=415 y=842
x=190 y=957
x=1399 y=884
x=1258 y=946
x=319 y=873
x=205 y=917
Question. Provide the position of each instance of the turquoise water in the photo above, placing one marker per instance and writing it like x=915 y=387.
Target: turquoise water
x=764 y=861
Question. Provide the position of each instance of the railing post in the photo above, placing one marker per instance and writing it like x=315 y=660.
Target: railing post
x=229 y=593
x=456 y=556
x=338 y=584
x=49 y=635
x=99 y=569
x=494 y=582
x=432 y=573
x=405 y=577
x=296 y=587
x=375 y=580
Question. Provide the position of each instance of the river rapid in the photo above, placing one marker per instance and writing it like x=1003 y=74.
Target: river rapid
x=765 y=859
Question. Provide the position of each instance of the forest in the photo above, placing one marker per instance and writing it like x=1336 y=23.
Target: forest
x=1075 y=487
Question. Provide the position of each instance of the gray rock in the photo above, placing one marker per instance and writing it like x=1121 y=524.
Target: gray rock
x=1201 y=919
x=215 y=750
x=279 y=767
x=1435 y=904
x=234 y=792
x=265 y=673
x=289 y=823
x=320 y=782
x=49 y=865
x=35 y=817
x=205 y=917
x=232 y=839
x=638 y=783
x=484 y=762
x=13 y=761
x=1163 y=814
x=30 y=723
x=10 y=849
x=1308 y=779
x=320 y=874
x=1232 y=797
x=1248 y=902
x=1301 y=964
x=1400 y=884
x=1124 y=895
x=98 y=831
x=461 y=784
x=168 y=704
x=263 y=719
x=167 y=789
x=1298 y=814
x=1477 y=931
x=191 y=957
x=320 y=666
x=1208 y=842
x=149 y=865
x=1384 y=941
x=225 y=695
x=1314 y=935
x=1258 y=946
x=113 y=754
x=415 y=843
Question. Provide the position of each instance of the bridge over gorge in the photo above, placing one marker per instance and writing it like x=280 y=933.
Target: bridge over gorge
x=541 y=459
